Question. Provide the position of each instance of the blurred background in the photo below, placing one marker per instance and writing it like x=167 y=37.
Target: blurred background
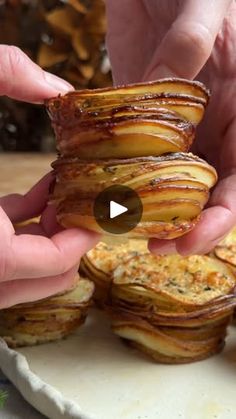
x=65 y=37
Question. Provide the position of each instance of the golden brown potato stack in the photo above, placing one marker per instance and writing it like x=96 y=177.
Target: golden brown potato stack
x=137 y=136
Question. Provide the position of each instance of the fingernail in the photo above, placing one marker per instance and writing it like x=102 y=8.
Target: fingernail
x=168 y=248
x=188 y=252
x=57 y=83
x=159 y=72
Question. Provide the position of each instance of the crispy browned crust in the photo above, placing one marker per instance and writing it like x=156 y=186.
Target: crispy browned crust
x=137 y=136
x=95 y=116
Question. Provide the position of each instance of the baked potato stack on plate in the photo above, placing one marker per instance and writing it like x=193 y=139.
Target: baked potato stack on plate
x=99 y=263
x=137 y=136
x=48 y=319
x=175 y=309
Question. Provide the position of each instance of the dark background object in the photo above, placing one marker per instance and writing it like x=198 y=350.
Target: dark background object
x=65 y=38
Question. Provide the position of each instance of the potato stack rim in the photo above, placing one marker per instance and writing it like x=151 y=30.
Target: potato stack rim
x=137 y=136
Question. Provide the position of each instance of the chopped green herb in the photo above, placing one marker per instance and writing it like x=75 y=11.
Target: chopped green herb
x=3 y=397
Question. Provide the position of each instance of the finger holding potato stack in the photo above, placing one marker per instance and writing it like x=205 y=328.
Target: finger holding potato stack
x=175 y=309
x=137 y=136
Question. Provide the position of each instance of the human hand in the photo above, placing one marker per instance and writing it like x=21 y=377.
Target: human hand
x=37 y=260
x=149 y=39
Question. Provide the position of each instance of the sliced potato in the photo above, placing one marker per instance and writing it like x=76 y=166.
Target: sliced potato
x=175 y=309
x=163 y=347
x=130 y=137
x=46 y=320
x=87 y=177
x=190 y=110
x=165 y=86
x=186 y=281
x=145 y=229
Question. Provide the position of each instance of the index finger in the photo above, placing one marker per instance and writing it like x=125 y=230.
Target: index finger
x=22 y=79
x=29 y=256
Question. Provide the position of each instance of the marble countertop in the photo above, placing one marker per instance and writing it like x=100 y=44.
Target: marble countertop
x=19 y=171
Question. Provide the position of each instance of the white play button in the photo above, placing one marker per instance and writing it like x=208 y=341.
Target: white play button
x=116 y=209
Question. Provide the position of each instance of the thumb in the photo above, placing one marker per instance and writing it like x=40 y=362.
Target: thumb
x=188 y=44
x=22 y=79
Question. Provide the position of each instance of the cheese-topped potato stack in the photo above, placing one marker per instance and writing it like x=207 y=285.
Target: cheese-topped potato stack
x=137 y=136
x=48 y=319
x=99 y=263
x=174 y=308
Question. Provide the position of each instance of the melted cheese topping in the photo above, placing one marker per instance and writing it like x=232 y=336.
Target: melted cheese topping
x=106 y=257
x=193 y=279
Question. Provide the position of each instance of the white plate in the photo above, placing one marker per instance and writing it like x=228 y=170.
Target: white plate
x=100 y=377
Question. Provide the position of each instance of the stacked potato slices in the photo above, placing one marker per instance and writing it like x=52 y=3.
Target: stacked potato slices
x=99 y=263
x=137 y=136
x=174 y=308
x=46 y=320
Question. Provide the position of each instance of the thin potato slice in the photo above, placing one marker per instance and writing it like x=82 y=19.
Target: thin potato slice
x=190 y=110
x=135 y=172
x=145 y=229
x=113 y=138
x=167 y=86
x=165 y=348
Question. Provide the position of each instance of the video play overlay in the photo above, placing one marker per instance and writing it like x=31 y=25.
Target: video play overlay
x=118 y=209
